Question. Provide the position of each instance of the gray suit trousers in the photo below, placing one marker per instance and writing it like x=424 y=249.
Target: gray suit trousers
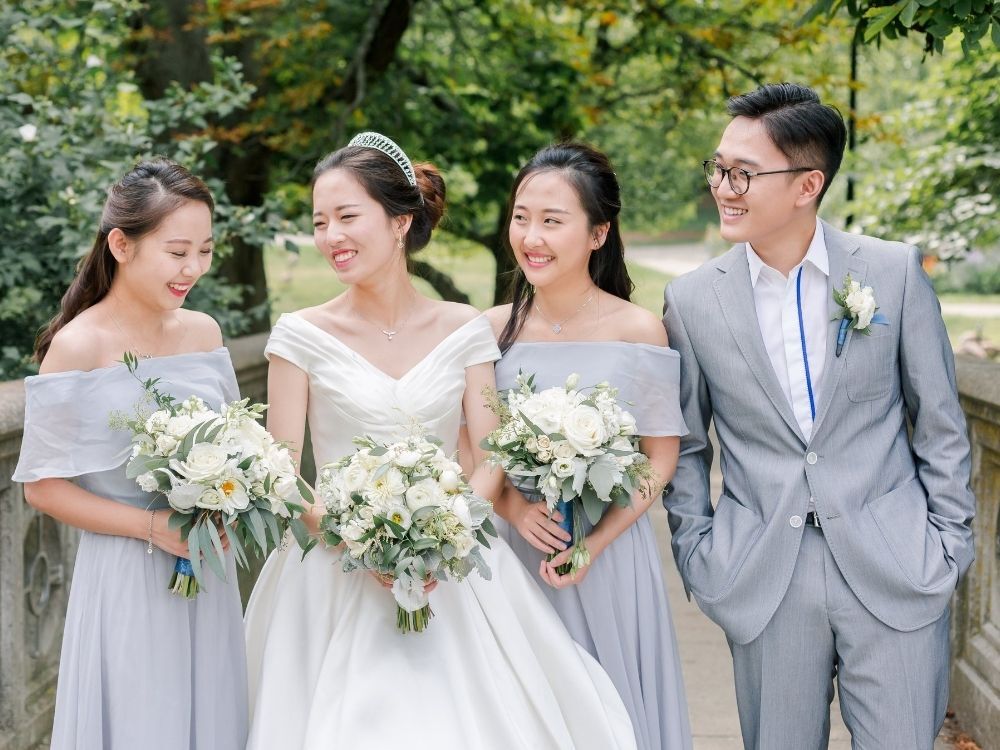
x=893 y=684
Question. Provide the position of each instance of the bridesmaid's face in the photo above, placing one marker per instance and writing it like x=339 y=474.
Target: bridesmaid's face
x=352 y=230
x=162 y=267
x=550 y=232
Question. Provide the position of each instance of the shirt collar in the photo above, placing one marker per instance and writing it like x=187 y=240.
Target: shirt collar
x=817 y=255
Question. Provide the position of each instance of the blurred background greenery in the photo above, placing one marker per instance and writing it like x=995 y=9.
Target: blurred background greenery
x=251 y=93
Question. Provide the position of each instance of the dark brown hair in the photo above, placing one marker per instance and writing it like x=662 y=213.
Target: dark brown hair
x=383 y=179
x=808 y=132
x=591 y=175
x=136 y=205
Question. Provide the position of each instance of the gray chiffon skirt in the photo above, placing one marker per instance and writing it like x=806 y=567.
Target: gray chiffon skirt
x=142 y=667
x=621 y=615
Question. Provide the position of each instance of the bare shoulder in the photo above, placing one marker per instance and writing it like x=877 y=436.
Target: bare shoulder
x=453 y=315
x=79 y=345
x=638 y=325
x=498 y=317
x=203 y=330
x=314 y=315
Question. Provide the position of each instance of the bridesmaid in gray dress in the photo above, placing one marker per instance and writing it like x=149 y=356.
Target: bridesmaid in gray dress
x=571 y=313
x=140 y=666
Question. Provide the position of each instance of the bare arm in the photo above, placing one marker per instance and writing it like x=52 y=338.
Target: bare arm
x=486 y=480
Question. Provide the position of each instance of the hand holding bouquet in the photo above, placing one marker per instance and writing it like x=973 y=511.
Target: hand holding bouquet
x=403 y=511
x=577 y=450
x=218 y=469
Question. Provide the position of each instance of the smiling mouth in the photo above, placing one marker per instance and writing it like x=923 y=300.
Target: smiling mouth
x=179 y=288
x=538 y=260
x=730 y=211
x=342 y=256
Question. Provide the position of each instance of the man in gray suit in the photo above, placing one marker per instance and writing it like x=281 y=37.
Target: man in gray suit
x=845 y=516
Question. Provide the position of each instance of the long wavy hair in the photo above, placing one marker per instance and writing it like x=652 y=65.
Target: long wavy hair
x=591 y=175
x=136 y=204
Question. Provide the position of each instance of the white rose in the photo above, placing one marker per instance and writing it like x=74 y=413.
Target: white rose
x=562 y=449
x=147 y=482
x=545 y=442
x=626 y=423
x=204 y=462
x=183 y=497
x=449 y=480
x=28 y=132
x=423 y=493
x=463 y=544
x=279 y=459
x=287 y=488
x=572 y=381
x=460 y=508
x=355 y=476
x=544 y=456
x=179 y=426
x=408 y=459
x=531 y=444
x=166 y=444
x=584 y=429
x=351 y=533
x=621 y=444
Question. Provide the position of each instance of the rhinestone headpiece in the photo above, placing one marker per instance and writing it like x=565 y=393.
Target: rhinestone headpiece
x=388 y=147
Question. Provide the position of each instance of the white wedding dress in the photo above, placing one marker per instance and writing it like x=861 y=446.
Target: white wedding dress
x=495 y=669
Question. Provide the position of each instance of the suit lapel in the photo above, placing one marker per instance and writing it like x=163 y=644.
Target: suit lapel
x=840 y=248
x=735 y=295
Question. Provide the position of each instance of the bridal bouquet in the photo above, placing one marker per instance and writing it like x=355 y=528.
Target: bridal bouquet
x=218 y=469
x=579 y=451
x=402 y=510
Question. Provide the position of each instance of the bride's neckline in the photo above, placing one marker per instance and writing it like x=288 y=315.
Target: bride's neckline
x=362 y=358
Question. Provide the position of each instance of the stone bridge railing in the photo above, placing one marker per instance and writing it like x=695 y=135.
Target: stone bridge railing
x=36 y=562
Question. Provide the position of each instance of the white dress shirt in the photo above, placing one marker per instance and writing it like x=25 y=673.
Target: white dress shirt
x=777 y=300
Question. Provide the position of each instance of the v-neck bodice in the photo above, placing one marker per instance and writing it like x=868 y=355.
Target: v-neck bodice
x=350 y=396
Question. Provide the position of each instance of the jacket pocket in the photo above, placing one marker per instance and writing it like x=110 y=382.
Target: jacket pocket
x=718 y=557
x=871 y=367
x=914 y=542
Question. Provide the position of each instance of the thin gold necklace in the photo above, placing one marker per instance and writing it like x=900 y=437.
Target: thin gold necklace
x=558 y=326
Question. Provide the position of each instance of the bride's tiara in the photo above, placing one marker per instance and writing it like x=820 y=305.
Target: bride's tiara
x=388 y=147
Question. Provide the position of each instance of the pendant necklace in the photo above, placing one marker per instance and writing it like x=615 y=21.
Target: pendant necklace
x=558 y=326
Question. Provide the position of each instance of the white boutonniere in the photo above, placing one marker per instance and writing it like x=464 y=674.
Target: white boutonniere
x=858 y=310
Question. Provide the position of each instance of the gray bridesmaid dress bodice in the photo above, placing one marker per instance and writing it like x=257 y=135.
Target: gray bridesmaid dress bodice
x=620 y=612
x=140 y=667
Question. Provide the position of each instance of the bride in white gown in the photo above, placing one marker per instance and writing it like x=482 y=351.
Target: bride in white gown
x=495 y=668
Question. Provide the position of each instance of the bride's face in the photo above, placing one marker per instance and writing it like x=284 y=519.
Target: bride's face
x=550 y=231
x=352 y=230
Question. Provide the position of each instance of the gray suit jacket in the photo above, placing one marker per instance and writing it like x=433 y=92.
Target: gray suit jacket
x=896 y=510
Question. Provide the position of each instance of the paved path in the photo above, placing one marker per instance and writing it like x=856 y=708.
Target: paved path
x=682 y=258
x=707 y=665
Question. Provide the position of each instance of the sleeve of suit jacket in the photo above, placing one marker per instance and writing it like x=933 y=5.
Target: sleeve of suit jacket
x=688 y=503
x=940 y=439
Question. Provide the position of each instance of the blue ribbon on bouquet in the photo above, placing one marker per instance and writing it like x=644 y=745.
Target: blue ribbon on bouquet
x=183 y=566
x=566 y=508
x=845 y=323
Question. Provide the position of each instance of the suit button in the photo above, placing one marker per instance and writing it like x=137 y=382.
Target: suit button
x=795 y=521
x=811 y=458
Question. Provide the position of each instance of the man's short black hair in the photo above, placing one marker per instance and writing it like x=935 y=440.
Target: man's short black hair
x=808 y=132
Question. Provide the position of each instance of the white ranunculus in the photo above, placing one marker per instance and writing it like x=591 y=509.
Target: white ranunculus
x=562 y=449
x=449 y=480
x=28 y=132
x=584 y=429
x=205 y=462
x=184 y=496
x=409 y=593
x=147 y=482
x=423 y=493
x=166 y=444
x=563 y=467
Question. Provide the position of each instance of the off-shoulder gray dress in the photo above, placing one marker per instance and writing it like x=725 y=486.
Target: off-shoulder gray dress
x=620 y=612
x=140 y=666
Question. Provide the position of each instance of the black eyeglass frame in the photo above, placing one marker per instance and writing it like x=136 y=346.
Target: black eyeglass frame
x=727 y=173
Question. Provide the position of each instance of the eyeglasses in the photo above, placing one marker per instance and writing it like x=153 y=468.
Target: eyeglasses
x=739 y=179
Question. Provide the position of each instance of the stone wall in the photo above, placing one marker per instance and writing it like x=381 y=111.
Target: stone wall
x=975 y=692
x=36 y=565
